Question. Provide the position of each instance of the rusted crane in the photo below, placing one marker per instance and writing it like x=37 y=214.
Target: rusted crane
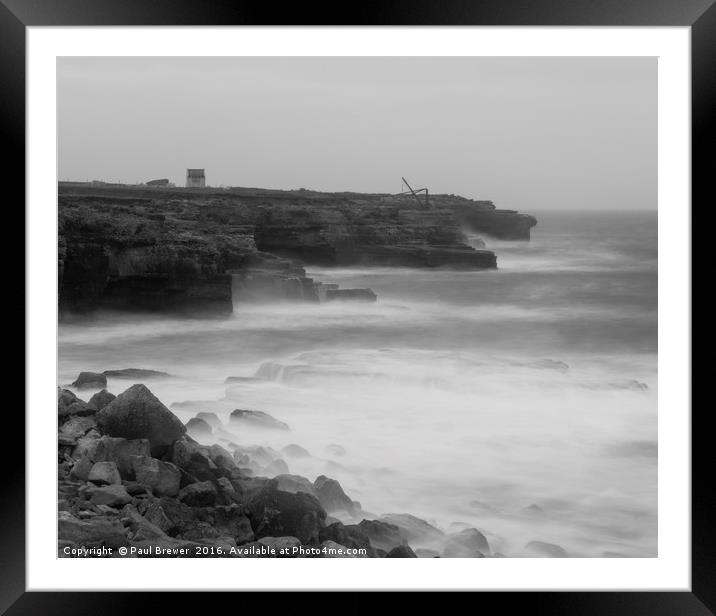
x=415 y=192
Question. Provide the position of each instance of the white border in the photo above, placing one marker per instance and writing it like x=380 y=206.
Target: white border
x=671 y=570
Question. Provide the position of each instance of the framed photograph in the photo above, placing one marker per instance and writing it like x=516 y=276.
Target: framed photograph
x=409 y=288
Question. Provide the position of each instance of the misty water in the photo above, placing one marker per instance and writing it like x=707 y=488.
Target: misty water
x=522 y=401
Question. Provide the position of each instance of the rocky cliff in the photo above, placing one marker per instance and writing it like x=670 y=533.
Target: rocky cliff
x=193 y=250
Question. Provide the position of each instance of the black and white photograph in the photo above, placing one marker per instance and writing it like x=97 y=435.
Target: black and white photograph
x=357 y=307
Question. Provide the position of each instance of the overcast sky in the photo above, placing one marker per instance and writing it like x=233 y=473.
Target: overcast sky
x=526 y=133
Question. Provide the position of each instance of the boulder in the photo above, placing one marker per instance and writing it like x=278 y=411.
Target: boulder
x=277 y=467
x=86 y=444
x=331 y=495
x=181 y=517
x=137 y=413
x=275 y=513
x=162 y=477
x=211 y=418
x=227 y=492
x=247 y=487
x=295 y=451
x=381 y=534
x=101 y=399
x=140 y=527
x=90 y=380
x=542 y=549
x=221 y=457
x=351 y=536
x=120 y=451
x=77 y=426
x=193 y=459
x=135 y=373
x=134 y=488
x=401 y=551
x=92 y=533
x=468 y=543
x=64 y=398
x=414 y=530
x=111 y=495
x=184 y=449
x=229 y=520
x=202 y=494
x=200 y=531
x=68 y=404
x=256 y=453
x=81 y=469
x=66 y=440
x=295 y=483
x=228 y=524
x=152 y=511
x=256 y=419
x=198 y=428
x=104 y=473
x=335 y=450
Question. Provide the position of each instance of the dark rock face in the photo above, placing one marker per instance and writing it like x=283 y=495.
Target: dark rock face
x=413 y=529
x=198 y=427
x=202 y=494
x=112 y=495
x=107 y=532
x=162 y=477
x=169 y=250
x=68 y=405
x=118 y=451
x=101 y=399
x=211 y=418
x=468 y=543
x=402 y=551
x=382 y=535
x=77 y=426
x=113 y=491
x=350 y=536
x=274 y=513
x=104 y=473
x=90 y=380
x=257 y=419
x=118 y=253
x=501 y=224
x=331 y=495
x=137 y=413
x=295 y=483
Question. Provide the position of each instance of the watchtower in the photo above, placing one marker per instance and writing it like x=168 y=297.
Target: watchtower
x=195 y=178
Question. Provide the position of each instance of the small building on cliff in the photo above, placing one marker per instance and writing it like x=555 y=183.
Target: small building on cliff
x=195 y=178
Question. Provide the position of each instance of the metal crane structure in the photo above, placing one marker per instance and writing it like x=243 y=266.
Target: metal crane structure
x=415 y=192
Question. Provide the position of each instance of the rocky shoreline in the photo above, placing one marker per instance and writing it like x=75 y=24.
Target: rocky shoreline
x=133 y=480
x=198 y=251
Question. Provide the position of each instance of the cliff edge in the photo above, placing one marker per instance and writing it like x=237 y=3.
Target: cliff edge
x=145 y=248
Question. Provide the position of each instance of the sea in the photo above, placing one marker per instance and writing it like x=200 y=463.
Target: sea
x=520 y=401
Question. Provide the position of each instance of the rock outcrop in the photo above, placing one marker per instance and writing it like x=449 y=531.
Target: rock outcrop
x=159 y=493
x=199 y=251
x=137 y=414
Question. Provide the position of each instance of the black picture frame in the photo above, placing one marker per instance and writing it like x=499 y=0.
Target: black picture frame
x=700 y=15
